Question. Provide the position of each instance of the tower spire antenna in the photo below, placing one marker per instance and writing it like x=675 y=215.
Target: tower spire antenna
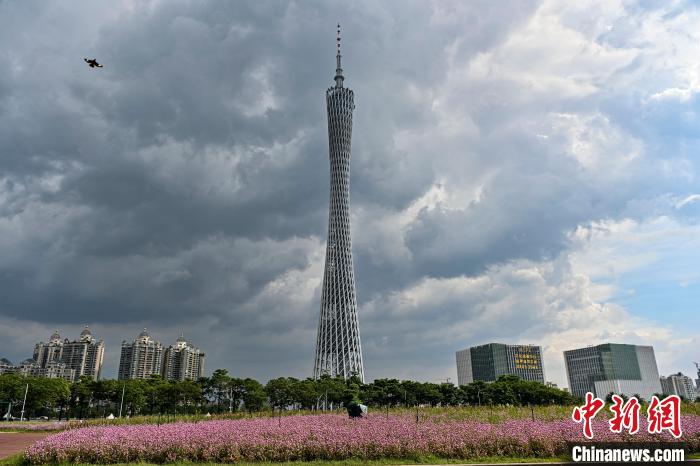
x=338 y=69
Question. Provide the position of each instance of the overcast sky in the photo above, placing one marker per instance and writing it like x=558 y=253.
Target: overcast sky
x=523 y=173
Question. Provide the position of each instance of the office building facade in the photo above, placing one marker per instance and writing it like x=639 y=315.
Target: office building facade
x=490 y=361
x=183 y=361
x=140 y=358
x=679 y=384
x=612 y=368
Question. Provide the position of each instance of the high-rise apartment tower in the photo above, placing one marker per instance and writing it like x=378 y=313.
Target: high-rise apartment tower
x=678 y=384
x=183 y=361
x=85 y=355
x=338 y=350
x=67 y=359
x=141 y=358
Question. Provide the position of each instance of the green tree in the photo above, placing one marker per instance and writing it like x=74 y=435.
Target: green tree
x=12 y=388
x=254 y=397
x=449 y=394
x=306 y=393
x=220 y=388
x=281 y=392
x=81 y=396
x=135 y=397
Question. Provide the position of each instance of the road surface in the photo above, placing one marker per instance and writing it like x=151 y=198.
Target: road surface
x=12 y=443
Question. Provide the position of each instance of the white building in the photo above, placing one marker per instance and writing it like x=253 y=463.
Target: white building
x=678 y=384
x=46 y=353
x=84 y=355
x=55 y=370
x=464 y=367
x=141 y=358
x=6 y=366
x=65 y=359
x=183 y=361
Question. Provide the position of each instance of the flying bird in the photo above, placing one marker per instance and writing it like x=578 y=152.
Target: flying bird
x=93 y=63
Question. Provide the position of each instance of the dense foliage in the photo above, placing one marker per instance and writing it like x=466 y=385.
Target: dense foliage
x=222 y=393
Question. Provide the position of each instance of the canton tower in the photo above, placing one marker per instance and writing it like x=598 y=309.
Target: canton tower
x=338 y=351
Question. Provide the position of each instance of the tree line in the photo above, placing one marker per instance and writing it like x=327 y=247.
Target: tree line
x=222 y=393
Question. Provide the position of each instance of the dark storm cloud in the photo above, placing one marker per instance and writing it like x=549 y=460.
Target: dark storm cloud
x=186 y=183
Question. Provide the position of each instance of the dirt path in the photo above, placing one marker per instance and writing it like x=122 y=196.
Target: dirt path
x=12 y=443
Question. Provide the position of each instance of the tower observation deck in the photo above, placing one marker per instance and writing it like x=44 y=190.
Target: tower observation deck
x=338 y=350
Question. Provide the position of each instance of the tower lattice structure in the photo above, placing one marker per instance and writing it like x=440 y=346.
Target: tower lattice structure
x=338 y=349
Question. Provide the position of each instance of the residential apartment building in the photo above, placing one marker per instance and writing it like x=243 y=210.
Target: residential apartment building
x=679 y=384
x=140 y=358
x=84 y=355
x=63 y=359
x=183 y=361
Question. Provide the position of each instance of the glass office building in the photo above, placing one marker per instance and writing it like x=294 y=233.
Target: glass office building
x=612 y=368
x=490 y=361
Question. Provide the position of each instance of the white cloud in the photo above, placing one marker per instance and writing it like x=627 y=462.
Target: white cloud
x=555 y=304
x=687 y=200
x=546 y=59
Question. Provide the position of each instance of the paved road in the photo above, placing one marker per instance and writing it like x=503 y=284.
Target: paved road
x=12 y=443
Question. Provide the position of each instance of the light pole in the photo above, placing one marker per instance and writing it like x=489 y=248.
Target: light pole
x=121 y=404
x=26 y=390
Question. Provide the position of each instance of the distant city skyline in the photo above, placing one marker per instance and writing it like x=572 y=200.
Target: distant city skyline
x=522 y=172
x=601 y=369
x=138 y=358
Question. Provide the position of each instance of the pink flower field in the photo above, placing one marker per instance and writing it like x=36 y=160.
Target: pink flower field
x=326 y=437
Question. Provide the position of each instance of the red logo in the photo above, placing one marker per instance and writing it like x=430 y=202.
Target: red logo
x=625 y=415
x=587 y=412
x=661 y=415
x=665 y=415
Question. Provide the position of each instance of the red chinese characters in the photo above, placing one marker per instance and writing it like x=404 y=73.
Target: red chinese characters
x=665 y=415
x=625 y=415
x=587 y=412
